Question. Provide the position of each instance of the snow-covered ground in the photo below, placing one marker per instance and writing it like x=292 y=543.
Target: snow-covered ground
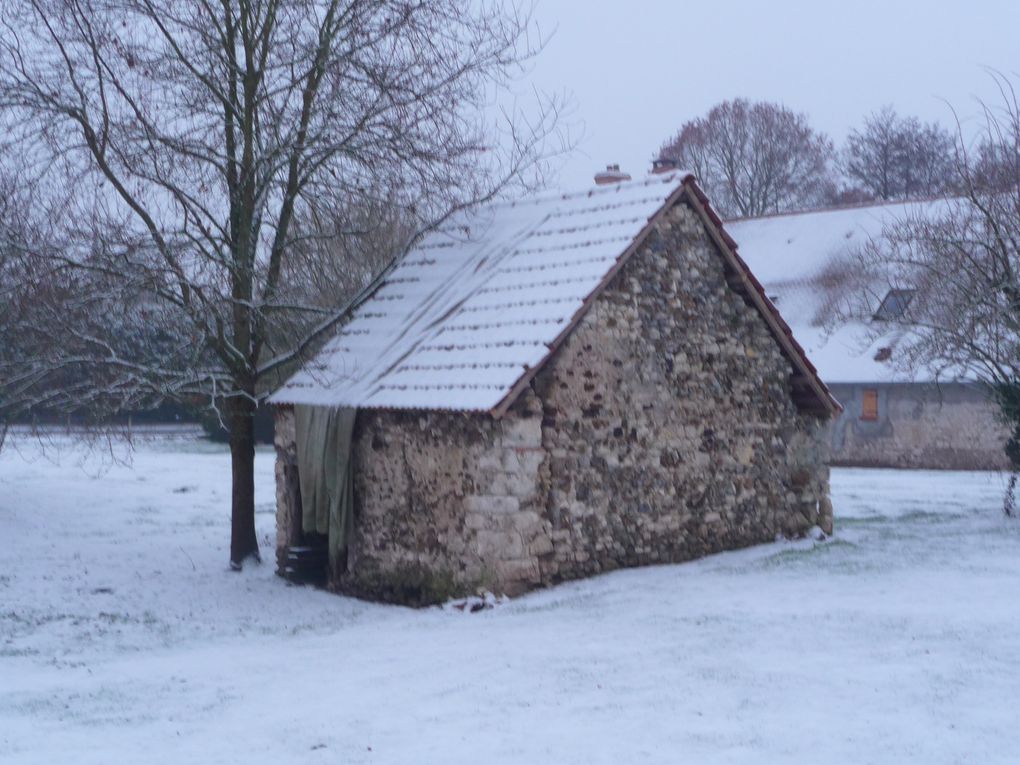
x=123 y=638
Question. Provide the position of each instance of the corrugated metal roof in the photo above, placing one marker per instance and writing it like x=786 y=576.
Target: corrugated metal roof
x=477 y=304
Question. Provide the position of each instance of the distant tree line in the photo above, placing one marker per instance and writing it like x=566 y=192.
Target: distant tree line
x=758 y=157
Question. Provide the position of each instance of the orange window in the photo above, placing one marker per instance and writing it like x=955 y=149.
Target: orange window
x=869 y=405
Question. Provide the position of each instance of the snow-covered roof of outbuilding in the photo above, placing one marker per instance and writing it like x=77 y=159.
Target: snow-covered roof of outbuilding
x=789 y=252
x=468 y=316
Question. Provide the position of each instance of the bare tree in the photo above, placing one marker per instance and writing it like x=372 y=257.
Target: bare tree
x=754 y=158
x=893 y=157
x=341 y=248
x=996 y=163
x=177 y=146
x=958 y=266
x=8 y=239
x=23 y=292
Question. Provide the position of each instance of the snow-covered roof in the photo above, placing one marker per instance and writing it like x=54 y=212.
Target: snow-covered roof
x=788 y=252
x=472 y=311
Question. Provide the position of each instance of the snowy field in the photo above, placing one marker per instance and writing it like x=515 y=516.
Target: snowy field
x=123 y=638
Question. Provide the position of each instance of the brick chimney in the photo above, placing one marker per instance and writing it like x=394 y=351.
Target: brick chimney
x=612 y=174
x=664 y=165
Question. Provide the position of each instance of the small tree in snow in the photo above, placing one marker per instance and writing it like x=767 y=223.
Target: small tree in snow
x=182 y=155
x=754 y=158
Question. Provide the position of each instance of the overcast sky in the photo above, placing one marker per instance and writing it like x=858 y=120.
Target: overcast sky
x=638 y=69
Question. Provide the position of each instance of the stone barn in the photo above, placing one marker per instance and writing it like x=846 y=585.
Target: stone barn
x=546 y=390
x=893 y=416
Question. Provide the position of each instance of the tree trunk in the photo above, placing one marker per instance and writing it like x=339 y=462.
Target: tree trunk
x=243 y=541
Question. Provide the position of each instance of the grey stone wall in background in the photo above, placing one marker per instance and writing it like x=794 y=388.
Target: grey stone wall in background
x=951 y=426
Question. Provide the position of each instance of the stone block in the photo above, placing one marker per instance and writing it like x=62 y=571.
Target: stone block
x=473 y=520
x=522 y=485
x=521 y=432
x=492 y=504
x=490 y=459
x=511 y=572
x=541 y=545
x=526 y=521
x=493 y=546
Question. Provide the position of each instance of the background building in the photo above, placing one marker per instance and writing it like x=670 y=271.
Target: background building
x=893 y=416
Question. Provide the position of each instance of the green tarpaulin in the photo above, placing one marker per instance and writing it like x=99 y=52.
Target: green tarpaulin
x=326 y=472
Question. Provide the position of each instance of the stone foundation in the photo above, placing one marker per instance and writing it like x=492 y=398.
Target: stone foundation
x=663 y=429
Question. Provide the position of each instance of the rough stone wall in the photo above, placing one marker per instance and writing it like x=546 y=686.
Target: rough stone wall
x=669 y=421
x=448 y=503
x=945 y=427
x=662 y=430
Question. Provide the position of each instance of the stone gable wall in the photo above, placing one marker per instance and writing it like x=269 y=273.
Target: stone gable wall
x=669 y=421
x=662 y=430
